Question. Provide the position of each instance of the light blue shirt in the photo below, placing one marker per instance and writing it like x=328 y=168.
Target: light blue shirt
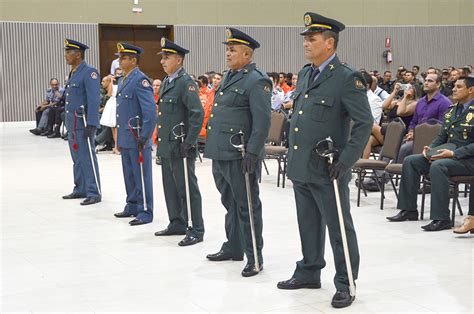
x=174 y=75
x=322 y=66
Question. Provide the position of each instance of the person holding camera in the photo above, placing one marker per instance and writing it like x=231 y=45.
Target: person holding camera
x=450 y=154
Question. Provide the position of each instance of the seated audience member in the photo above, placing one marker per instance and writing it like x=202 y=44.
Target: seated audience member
x=104 y=139
x=441 y=163
x=402 y=108
x=282 y=83
x=277 y=94
x=289 y=81
x=55 y=119
x=52 y=97
x=386 y=82
x=203 y=90
x=216 y=80
x=288 y=100
x=156 y=94
x=468 y=225
x=430 y=108
x=416 y=71
x=376 y=105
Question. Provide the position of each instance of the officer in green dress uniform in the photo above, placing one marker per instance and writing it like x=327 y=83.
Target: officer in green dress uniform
x=242 y=103
x=457 y=160
x=328 y=96
x=179 y=102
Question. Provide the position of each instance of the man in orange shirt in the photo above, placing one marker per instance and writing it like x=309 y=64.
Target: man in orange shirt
x=282 y=82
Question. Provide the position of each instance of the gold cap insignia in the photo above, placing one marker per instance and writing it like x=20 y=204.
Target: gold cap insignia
x=120 y=47
x=228 y=33
x=266 y=88
x=359 y=84
x=66 y=42
x=307 y=20
x=331 y=66
x=163 y=41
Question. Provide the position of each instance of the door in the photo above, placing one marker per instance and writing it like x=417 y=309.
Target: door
x=145 y=36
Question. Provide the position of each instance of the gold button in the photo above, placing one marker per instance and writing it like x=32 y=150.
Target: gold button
x=215 y=105
x=117 y=115
x=159 y=126
x=322 y=101
x=221 y=93
x=232 y=130
x=295 y=147
x=67 y=111
x=452 y=126
x=306 y=96
x=296 y=129
x=67 y=94
x=212 y=115
x=161 y=100
x=118 y=126
x=159 y=139
x=159 y=113
x=236 y=90
x=300 y=112
x=67 y=102
x=450 y=135
x=126 y=96
x=120 y=94
x=209 y=127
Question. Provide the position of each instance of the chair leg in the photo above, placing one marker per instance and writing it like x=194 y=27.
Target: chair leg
x=382 y=195
x=359 y=176
x=423 y=185
x=394 y=187
x=455 y=200
x=265 y=165
x=284 y=172
x=278 y=172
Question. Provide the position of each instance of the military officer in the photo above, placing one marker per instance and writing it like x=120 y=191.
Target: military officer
x=328 y=96
x=458 y=132
x=82 y=97
x=242 y=103
x=179 y=102
x=135 y=106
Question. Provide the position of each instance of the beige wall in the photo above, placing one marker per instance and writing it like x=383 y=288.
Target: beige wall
x=240 y=12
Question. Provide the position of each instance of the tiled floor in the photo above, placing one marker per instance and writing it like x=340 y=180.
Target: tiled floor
x=58 y=256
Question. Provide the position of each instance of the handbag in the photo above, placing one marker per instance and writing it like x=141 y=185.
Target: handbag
x=108 y=117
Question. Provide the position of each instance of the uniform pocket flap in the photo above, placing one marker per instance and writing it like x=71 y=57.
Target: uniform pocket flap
x=238 y=90
x=228 y=128
x=323 y=100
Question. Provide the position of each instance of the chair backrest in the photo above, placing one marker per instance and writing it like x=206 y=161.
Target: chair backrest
x=393 y=140
x=277 y=125
x=424 y=134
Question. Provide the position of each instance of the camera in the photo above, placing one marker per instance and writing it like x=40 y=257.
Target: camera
x=405 y=86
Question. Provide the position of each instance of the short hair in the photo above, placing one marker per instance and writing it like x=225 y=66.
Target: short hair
x=411 y=72
x=417 y=67
x=439 y=77
x=367 y=78
x=198 y=83
x=468 y=80
x=331 y=34
x=387 y=72
x=203 y=79
x=53 y=79
x=216 y=73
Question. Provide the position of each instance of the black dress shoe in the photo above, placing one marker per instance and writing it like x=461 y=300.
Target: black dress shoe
x=168 y=232
x=438 y=225
x=294 y=283
x=137 y=222
x=342 y=299
x=36 y=131
x=72 y=196
x=189 y=240
x=54 y=135
x=404 y=215
x=91 y=200
x=123 y=215
x=223 y=256
x=46 y=133
x=250 y=270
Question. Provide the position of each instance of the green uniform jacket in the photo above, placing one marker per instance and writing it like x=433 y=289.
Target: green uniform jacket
x=459 y=131
x=326 y=108
x=242 y=103
x=179 y=102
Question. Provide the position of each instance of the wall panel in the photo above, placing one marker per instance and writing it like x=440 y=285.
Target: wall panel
x=282 y=48
x=31 y=54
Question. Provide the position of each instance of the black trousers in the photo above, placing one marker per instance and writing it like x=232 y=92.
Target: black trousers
x=54 y=117
x=471 y=199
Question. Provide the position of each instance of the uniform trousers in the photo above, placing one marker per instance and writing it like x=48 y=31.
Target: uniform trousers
x=316 y=208
x=84 y=179
x=133 y=183
x=439 y=171
x=175 y=196
x=230 y=181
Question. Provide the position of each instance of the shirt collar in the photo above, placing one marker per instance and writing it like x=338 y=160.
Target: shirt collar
x=174 y=75
x=468 y=103
x=324 y=64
